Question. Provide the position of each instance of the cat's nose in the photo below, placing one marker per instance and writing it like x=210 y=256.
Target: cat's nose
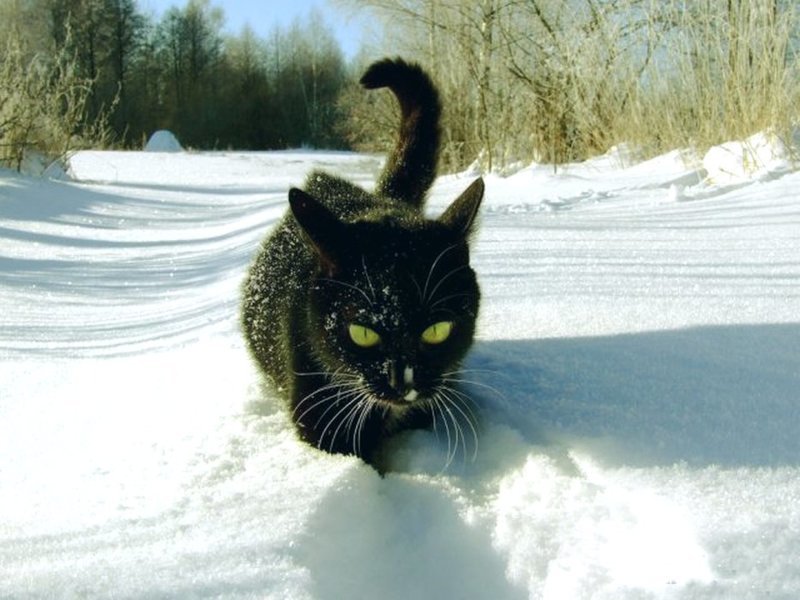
x=401 y=379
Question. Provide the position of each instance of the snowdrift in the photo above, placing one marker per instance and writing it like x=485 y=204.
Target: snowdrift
x=163 y=141
x=636 y=368
x=758 y=157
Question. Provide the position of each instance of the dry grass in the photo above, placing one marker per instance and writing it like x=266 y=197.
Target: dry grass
x=557 y=82
x=42 y=106
x=721 y=77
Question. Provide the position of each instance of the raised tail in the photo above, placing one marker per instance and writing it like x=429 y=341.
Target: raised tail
x=411 y=167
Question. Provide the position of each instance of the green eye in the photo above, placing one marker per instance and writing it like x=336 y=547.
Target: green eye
x=438 y=332
x=363 y=336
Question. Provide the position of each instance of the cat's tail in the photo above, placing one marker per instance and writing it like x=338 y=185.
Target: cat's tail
x=411 y=167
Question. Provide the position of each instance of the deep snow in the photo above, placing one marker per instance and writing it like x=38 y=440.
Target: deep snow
x=638 y=368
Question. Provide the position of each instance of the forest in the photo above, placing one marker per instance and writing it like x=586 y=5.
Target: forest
x=524 y=80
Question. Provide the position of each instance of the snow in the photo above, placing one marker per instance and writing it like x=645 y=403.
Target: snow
x=638 y=369
x=163 y=141
x=759 y=156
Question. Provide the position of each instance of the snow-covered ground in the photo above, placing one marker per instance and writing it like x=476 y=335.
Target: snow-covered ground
x=638 y=365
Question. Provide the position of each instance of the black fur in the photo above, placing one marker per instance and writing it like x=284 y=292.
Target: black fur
x=411 y=167
x=343 y=256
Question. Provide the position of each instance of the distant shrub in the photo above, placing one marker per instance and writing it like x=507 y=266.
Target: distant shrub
x=557 y=81
x=722 y=71
x=42 y=104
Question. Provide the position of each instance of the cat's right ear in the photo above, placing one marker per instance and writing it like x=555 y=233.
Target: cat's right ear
x=321 y=227
x=460 y=215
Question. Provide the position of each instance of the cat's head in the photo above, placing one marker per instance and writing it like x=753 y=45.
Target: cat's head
x=394 y=304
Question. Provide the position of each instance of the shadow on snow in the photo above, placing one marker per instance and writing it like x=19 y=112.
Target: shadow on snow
x=724 y=395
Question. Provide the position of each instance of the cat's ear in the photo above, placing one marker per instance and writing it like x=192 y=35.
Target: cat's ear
x=460 y=215
x=321 y=227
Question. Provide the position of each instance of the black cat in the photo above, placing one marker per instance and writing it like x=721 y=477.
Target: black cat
x=357 y=307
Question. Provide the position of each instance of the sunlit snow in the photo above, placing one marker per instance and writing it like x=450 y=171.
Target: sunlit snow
x=637 y=368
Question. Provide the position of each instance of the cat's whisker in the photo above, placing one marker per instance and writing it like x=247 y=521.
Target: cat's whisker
x=339 y=398
x=497 y=393
x=313 y=405
x=362 y=395
x=433 y=305
x=332 y=400
x=432 y=295
x=368 y=406
x=362 y=412
x=349 y=286
x=493 y=372
x=419 y=289
x=457 y=429
x=480 y=384
x=369 y=281
x=338 y=381
x=457 y=401
x=349 y=419
x=327 y=387
x=465 y=399
x=353 y=426
x=437 y=403
x=338 y=373
x=461 y=371
x=350 y=405
x=432 y=269
x=434 y=406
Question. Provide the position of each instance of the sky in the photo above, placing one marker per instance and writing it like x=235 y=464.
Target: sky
x=264 y=15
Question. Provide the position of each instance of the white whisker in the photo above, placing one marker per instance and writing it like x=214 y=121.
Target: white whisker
x=433 y=267
x=328 y=386
x=354 y=407
x=369 y=281
x=367 y=405
x=352 y=287
x=446 y=298
x=335 y=375
x=459 y=432
x=467 y=401
x=346 y=397
x=470 y=421
x=348 y=406
x=432 y=295
x=419 y=289
x=480 y=384
x=497 y=393
x=492 y=372
x=437 y=402
x=325 y=388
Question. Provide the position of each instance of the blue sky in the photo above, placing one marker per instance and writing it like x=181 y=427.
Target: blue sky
x=263 y=15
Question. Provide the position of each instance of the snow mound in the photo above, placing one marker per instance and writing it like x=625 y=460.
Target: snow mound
x=758 y=157
x=163 y=141
x=37 y=164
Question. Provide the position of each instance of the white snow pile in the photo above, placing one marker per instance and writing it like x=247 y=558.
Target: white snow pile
x=758 y=157
x=163 y=141
x=637 y=369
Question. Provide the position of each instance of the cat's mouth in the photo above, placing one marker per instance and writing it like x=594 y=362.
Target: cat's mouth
x=400 y=389
x=401 y=399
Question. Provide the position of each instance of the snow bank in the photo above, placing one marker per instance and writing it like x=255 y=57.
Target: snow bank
x=636 y=372
x=163 y=141
x=37 y=164
x=760 y=156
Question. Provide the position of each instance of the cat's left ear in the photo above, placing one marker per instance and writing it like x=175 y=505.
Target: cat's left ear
x=460 y=215
x=321 y=227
